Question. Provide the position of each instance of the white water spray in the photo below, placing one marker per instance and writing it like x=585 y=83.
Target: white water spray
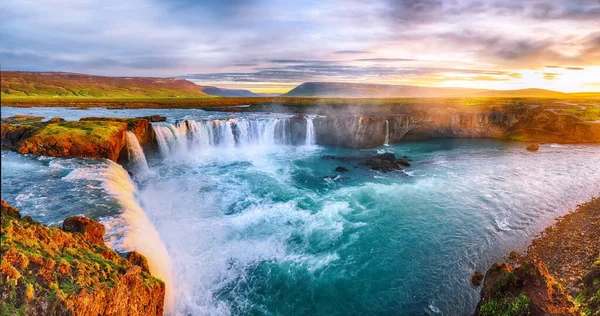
x=136 y=155
x=387 y=133
x=139 y=233
x=190 y=135
x=310 y=131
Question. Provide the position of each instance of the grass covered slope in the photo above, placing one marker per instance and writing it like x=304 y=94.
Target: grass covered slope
x=91 y=137
x=88 y=139
x=18 y=85
x=54 y=271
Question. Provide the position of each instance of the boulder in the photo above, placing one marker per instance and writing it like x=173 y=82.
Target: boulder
x=56 y=120
x=92 y=230
x=477 y=278
x=533 y=147
x=341 y=169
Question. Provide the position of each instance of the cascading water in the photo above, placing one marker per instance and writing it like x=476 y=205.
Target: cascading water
x=387 y=133
x=310 y=131
x=136 y=229
x=183 y=136
x=136 y=156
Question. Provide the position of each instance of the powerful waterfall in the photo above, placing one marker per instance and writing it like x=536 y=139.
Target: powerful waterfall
x=136 y=156
x=387 y=133
x=228 y=133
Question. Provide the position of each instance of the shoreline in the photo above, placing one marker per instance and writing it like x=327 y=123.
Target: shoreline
x=558 y=273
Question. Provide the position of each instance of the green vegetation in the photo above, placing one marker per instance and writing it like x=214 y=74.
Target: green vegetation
x=69 y=85
x=590 y=113
x=515 y=306
x=46 y=266
x=90 y=130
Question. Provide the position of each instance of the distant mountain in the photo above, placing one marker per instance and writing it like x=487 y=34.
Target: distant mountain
x=220 y=92
x=365 y=90
x=64 y=84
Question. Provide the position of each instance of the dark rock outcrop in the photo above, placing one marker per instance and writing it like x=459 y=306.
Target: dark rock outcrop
x=385 y=162
x=341 y=169
x=50 y=271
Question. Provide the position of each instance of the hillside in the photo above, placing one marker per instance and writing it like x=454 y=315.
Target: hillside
x=61 y=84
x=362 y=90
x=220 y=92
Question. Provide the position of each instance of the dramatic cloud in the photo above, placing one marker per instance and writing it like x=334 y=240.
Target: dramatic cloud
x=503 y=43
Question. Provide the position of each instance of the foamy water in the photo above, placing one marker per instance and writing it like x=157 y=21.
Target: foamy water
x=238 y=221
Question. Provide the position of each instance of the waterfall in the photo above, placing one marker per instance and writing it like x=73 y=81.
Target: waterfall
x=136 y=156
x=387 y=133
x=188 y=135
x=310 y=131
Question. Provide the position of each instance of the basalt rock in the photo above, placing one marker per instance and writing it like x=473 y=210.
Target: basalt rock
x=530 y=125
x=50 y=271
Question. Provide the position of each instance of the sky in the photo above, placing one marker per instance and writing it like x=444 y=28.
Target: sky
x=273 y=45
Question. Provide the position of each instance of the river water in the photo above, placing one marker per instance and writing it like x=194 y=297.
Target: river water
x=237 y=220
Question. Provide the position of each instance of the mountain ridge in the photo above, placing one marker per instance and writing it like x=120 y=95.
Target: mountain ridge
x=368 y=90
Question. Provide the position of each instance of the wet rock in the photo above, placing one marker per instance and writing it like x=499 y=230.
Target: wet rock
x=155 y=118
x=92 y=230
x=533 y=147
x=385 y=162
x=138 y=259
x=477 y=278
x=514 y=257
x=341 y=169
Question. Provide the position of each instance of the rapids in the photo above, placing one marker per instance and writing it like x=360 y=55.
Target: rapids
x=238 y=220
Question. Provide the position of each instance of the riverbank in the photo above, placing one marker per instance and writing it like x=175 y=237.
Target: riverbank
x=53 y=271
x=565 y=258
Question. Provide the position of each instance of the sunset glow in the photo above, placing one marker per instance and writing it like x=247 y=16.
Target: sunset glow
x=272 y=46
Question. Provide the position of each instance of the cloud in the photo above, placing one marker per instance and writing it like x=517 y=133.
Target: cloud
x=351 y=52
x=295 y=41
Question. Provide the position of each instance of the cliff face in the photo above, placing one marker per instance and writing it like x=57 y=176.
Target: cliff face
x=88 y=138
x=53 y=271
x=534 y=125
